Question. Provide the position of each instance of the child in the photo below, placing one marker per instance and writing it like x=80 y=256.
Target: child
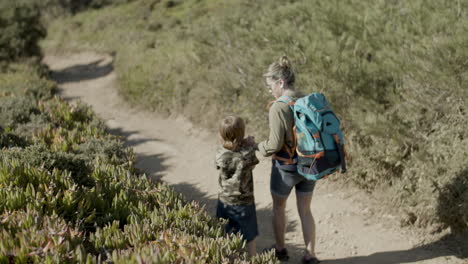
x=235 y=161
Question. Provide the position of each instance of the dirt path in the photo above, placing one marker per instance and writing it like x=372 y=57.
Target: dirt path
x=348 y=231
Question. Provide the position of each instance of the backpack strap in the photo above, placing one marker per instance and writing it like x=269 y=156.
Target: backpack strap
x=342 y=152
x=285 y=99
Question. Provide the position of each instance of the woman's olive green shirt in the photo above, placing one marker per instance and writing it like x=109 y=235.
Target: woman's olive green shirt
x=281 y=123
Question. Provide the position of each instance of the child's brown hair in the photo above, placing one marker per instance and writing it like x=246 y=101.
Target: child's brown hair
x=232 y=130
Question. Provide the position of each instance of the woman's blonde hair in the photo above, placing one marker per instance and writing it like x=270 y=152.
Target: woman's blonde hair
x=232 y=130
x=281 y=70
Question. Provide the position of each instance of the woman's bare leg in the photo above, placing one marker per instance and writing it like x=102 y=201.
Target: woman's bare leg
x=307 y=222
x=279 y=220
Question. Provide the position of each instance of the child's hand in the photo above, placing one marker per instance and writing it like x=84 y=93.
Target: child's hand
x=249 y=141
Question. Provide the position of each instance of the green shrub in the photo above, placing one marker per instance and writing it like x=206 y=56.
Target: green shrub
x=31 y=237
x=117 y=212
x=21 y=31
x=8 y=140
x=107 y=150
x=39 y=156
x=53 y=123
x=16 y=110
x=187 y=249
x=70 y=117
x=28 y=78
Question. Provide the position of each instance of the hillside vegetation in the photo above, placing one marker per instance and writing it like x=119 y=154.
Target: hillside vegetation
x=68 y=190
x=396 y=72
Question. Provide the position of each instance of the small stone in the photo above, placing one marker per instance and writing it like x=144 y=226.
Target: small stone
x=335 y=231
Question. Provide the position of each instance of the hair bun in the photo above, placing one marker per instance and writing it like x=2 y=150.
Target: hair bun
x=284 y=62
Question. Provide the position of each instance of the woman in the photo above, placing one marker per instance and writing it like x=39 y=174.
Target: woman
x=284 y=176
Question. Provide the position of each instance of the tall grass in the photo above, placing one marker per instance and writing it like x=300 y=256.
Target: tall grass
x=396 y=73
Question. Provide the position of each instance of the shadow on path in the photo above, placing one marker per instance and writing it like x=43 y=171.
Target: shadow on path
x=448 y=245
x=82 y=72
x=153 y=165
x=125 y=134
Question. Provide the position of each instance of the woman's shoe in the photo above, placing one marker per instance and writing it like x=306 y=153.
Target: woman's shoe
x=311 y=260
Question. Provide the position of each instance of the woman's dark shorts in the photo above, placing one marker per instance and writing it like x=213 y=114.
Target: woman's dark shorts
x=282 y=182
x=241 y=218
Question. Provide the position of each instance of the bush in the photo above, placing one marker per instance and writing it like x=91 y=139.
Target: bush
x=8 y=140
x=15 y=111
x=117 y=211
x=27 y=77
x=108 y=150
x=30 y=237
x=21 y=31
x=40 y=157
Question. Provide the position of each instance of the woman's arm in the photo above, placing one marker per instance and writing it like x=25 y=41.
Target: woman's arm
x=276 y=122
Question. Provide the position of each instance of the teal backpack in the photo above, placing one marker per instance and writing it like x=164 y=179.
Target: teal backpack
x=319 y=140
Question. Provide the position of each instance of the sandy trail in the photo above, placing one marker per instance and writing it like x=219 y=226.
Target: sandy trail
x=348 y=230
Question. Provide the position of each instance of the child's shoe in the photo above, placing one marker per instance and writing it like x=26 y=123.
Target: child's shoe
x=281 y=255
